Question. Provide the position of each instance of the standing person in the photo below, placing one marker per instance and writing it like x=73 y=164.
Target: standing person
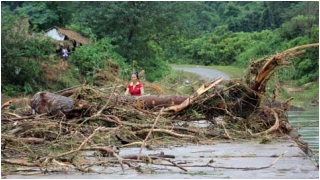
x=135 y=88
x=65 y=55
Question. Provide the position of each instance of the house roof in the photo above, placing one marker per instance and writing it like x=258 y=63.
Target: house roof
x=71 y=35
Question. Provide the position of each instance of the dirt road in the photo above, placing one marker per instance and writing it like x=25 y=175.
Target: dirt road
x=208 y=74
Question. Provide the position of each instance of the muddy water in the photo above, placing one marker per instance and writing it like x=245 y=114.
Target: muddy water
x=307 y=123
x=229 y=158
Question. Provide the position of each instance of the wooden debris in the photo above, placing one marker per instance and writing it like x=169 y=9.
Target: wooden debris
x=53 y=104
x=192 y=98
x=106 y=119
x=6 y=104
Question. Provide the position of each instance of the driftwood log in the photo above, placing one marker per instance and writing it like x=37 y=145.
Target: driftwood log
x=54 y=104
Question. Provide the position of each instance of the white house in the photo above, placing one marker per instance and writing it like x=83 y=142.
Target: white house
x=54 y=34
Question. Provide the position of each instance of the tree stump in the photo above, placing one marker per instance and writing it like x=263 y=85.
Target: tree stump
x=54 y=104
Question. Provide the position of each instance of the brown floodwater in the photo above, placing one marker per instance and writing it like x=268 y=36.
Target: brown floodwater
x=231 y=159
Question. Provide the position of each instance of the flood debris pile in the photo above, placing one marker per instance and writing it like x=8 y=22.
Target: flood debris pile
x=94 y=121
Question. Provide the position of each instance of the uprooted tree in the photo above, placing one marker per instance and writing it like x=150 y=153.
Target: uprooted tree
x=87 y=118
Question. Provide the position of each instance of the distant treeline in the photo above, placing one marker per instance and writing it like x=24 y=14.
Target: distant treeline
x=150 y=35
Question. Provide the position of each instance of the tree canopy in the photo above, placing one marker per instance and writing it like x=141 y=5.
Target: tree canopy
x=150 y=35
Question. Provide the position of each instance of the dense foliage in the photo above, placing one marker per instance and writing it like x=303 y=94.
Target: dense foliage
x=151 y=35
x=20 y=57
x=90 y=58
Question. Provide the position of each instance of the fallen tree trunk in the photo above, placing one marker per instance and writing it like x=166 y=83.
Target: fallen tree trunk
x=174 y=103
x=262 y=74
x=155 y=102
x=237 y=98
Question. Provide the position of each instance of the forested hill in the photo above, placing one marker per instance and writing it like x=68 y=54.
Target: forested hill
x=150 y=35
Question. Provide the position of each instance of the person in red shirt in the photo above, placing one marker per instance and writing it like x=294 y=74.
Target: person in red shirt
x=135 y=88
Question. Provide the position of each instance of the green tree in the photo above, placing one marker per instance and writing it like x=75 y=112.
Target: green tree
x=89 y=59
x=148 y=35
x=20 y=55
x=44 y=15
x=134 y=26
x=301 y=20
